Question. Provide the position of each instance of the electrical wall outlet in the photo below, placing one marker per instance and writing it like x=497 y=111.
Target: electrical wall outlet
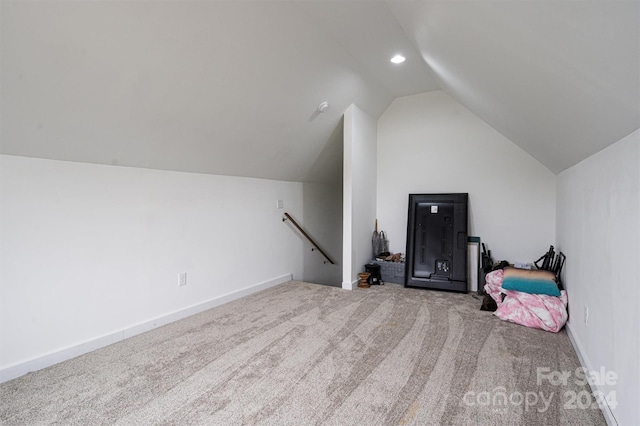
x=586 y=315
x=183 y=279
x=280 y=204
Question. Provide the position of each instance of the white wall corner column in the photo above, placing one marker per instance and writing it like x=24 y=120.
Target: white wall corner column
x=359 y=192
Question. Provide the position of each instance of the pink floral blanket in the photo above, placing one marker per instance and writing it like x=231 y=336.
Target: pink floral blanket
x=532 y=310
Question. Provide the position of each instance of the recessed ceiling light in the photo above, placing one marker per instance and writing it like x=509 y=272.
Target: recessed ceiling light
x=398 y=59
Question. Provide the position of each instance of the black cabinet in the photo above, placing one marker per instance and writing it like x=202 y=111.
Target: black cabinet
x=436 y=253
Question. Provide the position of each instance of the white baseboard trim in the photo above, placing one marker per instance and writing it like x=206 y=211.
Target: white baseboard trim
x=55 y=357
x=584 y=361
x=350 y=286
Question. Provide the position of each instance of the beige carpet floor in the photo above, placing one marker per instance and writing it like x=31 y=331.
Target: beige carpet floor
x=299 y=354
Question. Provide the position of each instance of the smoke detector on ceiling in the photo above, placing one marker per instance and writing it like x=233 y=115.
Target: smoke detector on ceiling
x=323 y=107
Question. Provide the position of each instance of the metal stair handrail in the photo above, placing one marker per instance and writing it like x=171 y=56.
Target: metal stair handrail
x=315 y=245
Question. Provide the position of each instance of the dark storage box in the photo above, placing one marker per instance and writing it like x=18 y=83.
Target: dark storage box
x=392 y=272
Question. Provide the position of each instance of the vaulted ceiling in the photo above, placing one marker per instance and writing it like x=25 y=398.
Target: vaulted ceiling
x=232 y=87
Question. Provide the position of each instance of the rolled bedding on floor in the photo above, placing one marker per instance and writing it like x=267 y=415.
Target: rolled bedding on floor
x=530 y=299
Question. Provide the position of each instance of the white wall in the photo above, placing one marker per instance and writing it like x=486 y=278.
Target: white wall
x=322 y=204
x=598 y=227
x=430 y=143
x=90 y=251
x=359 y=193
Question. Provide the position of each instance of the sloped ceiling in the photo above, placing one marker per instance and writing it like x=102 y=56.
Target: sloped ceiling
x=232 y=87
x=561 y=79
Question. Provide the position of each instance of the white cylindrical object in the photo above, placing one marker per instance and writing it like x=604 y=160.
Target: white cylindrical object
x=322 y=108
